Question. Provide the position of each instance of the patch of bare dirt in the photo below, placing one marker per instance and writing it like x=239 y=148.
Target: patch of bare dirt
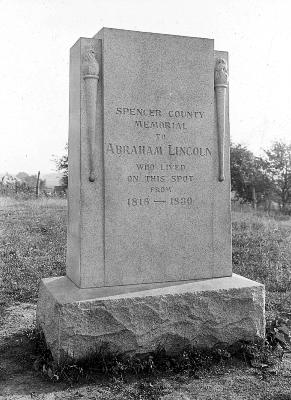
x=16 y=318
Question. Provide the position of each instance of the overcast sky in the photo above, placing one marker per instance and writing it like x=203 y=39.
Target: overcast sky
x=36 y=35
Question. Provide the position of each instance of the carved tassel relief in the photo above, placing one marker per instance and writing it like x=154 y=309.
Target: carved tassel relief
x=221 y=85
x=91 y=77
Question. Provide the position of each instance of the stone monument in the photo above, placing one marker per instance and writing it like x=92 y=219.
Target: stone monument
x=149 y=230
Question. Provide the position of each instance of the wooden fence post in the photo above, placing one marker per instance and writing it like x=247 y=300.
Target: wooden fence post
x=37 y=185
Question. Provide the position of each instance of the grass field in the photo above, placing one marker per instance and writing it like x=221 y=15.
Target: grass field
x=33 y=246
x=261 y=250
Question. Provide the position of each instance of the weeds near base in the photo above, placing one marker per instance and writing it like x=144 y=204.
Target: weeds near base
x=105 y=364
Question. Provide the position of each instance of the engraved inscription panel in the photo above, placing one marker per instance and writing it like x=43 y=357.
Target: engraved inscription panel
x=160 y=156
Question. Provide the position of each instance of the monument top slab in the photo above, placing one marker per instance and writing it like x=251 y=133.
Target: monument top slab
x=148 y=152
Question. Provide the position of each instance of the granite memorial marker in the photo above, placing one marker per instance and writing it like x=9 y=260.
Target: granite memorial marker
x=149 y=232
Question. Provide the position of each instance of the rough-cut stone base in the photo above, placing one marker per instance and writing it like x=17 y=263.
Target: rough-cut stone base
x=138 y=318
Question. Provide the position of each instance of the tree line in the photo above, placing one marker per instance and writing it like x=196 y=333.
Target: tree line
x=262 y=179
x=254 y=179
x=21 y=183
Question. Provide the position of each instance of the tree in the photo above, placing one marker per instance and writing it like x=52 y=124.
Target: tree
x=279 y=169
x=241 y=161
x=62 y=165
x=249 y=178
